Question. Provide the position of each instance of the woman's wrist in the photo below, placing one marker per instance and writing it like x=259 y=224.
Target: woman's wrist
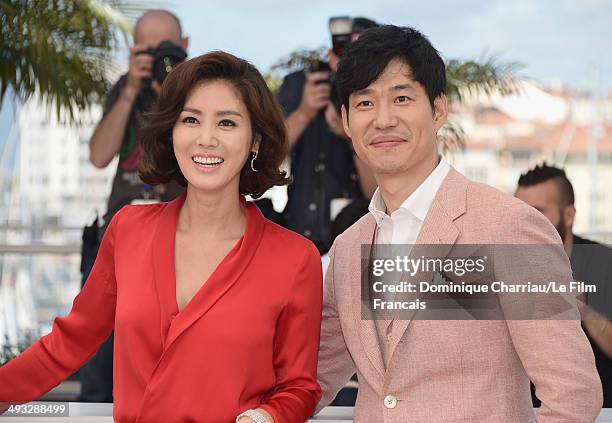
x=255 y=415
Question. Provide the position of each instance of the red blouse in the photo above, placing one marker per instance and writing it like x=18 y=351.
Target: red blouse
x=249 y=337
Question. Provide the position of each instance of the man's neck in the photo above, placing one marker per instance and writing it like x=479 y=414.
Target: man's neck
x=568 y=242
x=396 y=188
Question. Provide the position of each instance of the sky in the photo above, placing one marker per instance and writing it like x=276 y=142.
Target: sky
x=562 y=40
x=555 y=40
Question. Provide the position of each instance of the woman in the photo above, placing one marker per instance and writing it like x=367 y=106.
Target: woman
x=216 y=310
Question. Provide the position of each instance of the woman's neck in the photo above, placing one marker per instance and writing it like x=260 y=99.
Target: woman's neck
x=212 y=215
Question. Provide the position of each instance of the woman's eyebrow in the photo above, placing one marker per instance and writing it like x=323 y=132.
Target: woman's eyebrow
x=228 y=113
x=192 y=110
x=218 y=113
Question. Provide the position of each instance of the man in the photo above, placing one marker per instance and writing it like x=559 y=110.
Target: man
x=117 y=134
x=548 y=189
x=132 y=95
x=391 y=84
x=326 y=173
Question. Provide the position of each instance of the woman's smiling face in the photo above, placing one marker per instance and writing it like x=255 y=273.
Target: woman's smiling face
x=212 y=138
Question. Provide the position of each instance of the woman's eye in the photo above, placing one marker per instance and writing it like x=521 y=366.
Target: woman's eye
x=402 y=99
x=190 y=119
x=227 y=122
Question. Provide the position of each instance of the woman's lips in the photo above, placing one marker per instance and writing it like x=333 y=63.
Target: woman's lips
x=206 y=167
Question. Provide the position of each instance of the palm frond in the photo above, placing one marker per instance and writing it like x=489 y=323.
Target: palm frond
x=300 y=59
x=451 y=137
x=61 y=50
x=487 y=75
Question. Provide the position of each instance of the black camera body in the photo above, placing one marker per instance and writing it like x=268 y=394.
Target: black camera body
x=165 y=57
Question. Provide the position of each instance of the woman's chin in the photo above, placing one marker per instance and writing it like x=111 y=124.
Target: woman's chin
x=208 y=183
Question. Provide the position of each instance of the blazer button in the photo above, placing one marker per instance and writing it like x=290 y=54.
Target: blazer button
x=390 y=401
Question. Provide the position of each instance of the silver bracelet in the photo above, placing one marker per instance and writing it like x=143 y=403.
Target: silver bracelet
x=254 y=415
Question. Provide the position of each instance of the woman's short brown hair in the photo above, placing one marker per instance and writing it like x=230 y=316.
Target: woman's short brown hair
x=159 y=165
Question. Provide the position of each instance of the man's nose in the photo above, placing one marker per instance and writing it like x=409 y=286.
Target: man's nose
x=384 y=117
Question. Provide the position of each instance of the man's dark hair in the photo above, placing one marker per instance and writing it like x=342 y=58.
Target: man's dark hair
x=159 y=165
x=543 y=173
x=365 y=59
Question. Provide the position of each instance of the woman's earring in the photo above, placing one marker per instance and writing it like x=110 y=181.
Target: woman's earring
x=253 y=158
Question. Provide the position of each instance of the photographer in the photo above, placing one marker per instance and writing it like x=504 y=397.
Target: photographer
x=327 y=175
x=158 y=46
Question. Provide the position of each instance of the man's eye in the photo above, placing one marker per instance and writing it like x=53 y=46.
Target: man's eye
x=364 y=103
x=227 y=122
x=402 y=99
x=190 y=119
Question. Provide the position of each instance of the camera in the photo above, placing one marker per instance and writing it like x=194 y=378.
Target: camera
x=341 y=29
x=165 y=57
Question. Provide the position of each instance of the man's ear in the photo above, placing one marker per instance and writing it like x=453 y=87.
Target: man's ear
x=569 y=213
x=184 y=43
x=345 y=124
x=440 y=111
x=256 y=142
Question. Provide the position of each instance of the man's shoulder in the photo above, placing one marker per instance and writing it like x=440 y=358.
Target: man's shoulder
x=118 y=86
x=113 y=93
x=585 y=241
x=296 y=76
x=353 y=234
x=121 y=81
x=293 y=83
x=506 y=216
x=593 y=251
x=489 y=199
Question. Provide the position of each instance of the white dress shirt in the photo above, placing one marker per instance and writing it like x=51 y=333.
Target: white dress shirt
x=403 y=227
x=404 y=224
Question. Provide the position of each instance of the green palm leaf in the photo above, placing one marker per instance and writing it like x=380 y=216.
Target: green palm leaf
x=61 y=50
x=486 y=75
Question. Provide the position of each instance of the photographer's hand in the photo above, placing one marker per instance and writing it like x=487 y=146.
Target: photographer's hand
x=140 y=67
x=315 y=96
x=108 y=135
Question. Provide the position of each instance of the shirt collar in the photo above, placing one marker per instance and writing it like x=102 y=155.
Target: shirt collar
x=419 y=201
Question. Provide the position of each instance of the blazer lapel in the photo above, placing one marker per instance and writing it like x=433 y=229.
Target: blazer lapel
x=438 y=229
x=363 y=312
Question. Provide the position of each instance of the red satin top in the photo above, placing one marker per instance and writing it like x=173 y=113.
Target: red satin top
x=249 y=337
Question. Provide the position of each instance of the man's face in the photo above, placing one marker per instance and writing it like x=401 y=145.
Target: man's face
x=158 y=27
x=546 y=198
x=391 y=123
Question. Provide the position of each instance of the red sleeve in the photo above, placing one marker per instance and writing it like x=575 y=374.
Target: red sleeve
x=297 y=346
x=73 y=339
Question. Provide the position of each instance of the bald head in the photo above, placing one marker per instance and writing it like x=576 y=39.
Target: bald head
x=156 y=26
